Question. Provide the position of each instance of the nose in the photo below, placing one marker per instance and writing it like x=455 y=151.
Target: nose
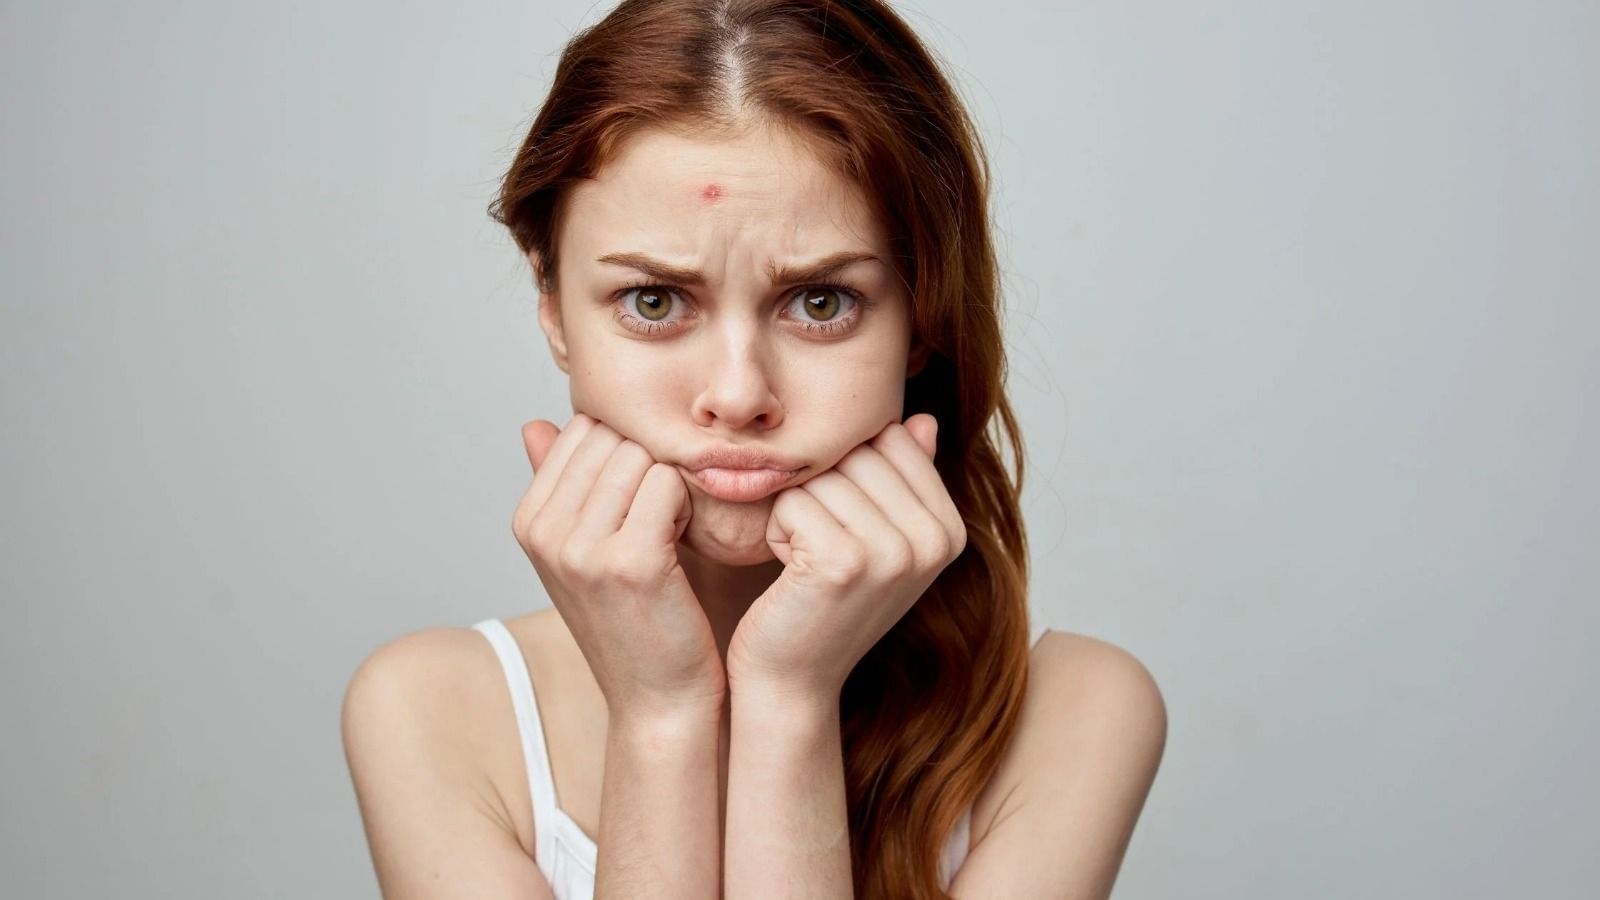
x=738 y=392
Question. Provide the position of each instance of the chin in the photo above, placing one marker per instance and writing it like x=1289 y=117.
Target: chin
x=733 y=534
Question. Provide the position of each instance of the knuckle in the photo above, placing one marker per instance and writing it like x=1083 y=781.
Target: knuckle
x=850 y=564
x=632 y=572
x=534 y=535
x=959 y=545
x=932 y=542
x=899 y=557
x=621 y=568
x=525 y=540
x=575 y=558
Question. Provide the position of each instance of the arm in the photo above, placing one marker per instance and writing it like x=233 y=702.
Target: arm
x=1086 y=752
x=659 y=808
x=788 y=830
x=1091 y=738
x=437 y=827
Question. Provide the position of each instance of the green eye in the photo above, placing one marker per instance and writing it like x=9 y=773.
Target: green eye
x=653 y=304
x=816 y=301
x=829 y=308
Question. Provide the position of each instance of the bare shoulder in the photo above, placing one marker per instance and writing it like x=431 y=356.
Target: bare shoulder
x=1078 y=673
x=422 y=734
x=1097 y=712
x=1091 y=736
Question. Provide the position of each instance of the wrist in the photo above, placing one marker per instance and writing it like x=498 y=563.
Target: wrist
x=787 y=699
x=747 y=681
x=668 y=720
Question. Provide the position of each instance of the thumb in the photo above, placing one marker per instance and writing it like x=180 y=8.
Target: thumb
x=537 y=436
x=925 y=428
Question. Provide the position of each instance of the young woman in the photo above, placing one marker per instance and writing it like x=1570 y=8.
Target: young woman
x=789 y=649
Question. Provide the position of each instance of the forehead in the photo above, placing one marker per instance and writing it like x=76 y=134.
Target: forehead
x=676 y=193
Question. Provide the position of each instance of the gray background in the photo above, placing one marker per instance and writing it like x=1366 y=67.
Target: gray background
x=1303 y=326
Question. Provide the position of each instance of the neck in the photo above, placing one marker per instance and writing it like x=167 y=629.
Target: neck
x=725 y=591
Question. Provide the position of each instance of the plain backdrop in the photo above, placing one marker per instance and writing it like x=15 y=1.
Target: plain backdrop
x=1304 y=335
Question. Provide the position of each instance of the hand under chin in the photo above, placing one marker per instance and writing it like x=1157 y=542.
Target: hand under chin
x=730 y=537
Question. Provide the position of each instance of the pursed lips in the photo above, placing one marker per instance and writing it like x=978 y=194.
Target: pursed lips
x=741 y=485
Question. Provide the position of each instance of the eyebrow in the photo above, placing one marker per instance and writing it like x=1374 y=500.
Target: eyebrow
x=819 y=270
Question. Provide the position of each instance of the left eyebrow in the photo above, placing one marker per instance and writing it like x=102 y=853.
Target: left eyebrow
x=819 y=270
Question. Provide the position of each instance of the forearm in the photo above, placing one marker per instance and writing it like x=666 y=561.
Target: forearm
x=659 y=809
x=788 y=831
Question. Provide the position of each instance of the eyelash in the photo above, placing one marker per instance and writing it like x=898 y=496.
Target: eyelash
x=859 y=304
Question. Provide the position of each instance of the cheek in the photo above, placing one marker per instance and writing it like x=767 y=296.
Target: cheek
x=636 y=398
x=837 y=396
x=604 y=364
x=852 y=405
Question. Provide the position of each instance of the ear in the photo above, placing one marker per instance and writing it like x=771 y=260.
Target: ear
x=550 y=313
x=918 y=356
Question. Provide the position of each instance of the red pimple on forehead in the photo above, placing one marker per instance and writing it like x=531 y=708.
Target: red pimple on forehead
x=711 y=193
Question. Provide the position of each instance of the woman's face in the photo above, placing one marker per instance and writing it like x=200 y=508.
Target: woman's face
x=733 y=357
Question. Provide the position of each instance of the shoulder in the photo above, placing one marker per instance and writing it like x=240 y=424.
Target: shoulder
x=421 y=733
x=1090 y=738
x=425 y=707
x=433 y=677
x=1075 y=674
x=1096 y=711
x=418 y=680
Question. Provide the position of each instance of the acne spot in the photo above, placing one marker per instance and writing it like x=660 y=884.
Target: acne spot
x=711 y=193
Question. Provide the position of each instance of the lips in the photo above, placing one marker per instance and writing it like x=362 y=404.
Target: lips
x=742 y=457
x=741 y=485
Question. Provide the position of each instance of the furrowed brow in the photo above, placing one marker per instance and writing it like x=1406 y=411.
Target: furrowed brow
x=653 y=267
x=824 y=268
x=821 y=269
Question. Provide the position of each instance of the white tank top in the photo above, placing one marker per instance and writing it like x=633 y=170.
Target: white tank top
x=561 y=850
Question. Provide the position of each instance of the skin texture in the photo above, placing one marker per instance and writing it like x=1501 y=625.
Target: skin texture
x=739 y=366
x=797 y=585
x=428 y=730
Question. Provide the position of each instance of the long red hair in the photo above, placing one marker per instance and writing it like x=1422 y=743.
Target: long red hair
x=928 y=712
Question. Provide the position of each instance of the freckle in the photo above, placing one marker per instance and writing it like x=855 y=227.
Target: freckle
x=711 y=193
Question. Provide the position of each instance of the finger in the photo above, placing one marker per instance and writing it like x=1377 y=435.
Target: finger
x=607 y=504
x=546 y=477
x=537 y=436
x=925 y=428
x=859 y=515
x=878 y=478
x=660 y=510
x=799 y=514
x=911 y=459
x=579 y=473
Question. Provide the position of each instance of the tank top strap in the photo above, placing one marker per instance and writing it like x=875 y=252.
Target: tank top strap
x=955 y=849
x=536 y=756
